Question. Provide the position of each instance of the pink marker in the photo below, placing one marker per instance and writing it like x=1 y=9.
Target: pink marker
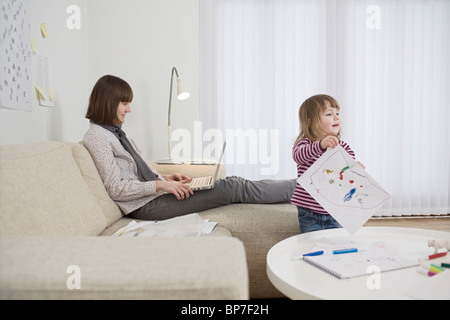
x=426 y=272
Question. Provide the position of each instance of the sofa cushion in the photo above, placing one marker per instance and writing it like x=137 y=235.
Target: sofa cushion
x=92 y=178
x=188 y=268
x=43 y=192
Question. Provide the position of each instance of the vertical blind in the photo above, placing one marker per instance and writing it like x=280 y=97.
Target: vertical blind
x=386 y=62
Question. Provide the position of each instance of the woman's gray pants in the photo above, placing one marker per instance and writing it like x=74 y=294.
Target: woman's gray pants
x=225 y=191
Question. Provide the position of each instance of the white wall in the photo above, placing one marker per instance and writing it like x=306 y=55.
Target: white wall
x=140 y=41
x=66 y=50
x=137 y=40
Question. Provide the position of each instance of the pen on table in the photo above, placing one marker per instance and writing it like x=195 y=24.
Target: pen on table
x=310 y=254
x=426 y=272
x=431 y=267
x=436 y=255
x=321 y=252
x=349 y=250
x=316 y=253
x=435 y=268
x=433 y=256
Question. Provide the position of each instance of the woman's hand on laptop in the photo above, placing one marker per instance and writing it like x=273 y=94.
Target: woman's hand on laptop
x=178 y=177
x=177 y=188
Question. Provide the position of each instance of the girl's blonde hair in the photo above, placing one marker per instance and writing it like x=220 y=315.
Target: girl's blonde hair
x=309 y=116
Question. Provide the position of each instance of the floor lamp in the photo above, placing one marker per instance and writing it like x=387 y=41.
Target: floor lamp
x=182 y=94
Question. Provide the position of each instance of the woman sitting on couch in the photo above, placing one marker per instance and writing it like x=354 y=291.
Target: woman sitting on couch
x=136 y=187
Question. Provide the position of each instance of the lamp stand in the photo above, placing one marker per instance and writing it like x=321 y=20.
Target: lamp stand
x=182 y=95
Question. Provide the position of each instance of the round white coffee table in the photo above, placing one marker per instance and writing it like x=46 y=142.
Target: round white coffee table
x=299 y=280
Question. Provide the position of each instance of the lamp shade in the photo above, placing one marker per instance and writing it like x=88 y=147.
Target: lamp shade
x=182 y=93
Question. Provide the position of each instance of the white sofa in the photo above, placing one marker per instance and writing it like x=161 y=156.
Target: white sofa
x=55 y=225
x=56 y=220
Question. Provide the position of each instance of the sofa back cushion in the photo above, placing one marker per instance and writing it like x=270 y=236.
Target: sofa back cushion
x=94 y=181
x=42 y=192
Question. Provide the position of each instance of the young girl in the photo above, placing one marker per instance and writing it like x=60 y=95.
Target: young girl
x=320 y=128
x=137 y=187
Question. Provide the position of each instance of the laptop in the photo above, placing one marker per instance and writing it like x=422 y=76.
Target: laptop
x=205 y=183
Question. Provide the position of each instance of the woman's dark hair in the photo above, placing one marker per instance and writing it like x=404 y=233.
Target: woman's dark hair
x=106 y=95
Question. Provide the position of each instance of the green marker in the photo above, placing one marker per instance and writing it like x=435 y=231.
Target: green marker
x=436 y=267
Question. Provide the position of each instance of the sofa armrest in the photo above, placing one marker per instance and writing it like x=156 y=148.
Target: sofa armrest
x=191 y=170
x=85 y=267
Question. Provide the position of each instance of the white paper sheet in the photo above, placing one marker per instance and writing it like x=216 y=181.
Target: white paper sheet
x=382 y=255
x=343 y=188
x=190 y=225
x=15 y=55
x=44 y=84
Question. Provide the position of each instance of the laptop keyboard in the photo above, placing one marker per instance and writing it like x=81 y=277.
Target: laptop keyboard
x=200 y=181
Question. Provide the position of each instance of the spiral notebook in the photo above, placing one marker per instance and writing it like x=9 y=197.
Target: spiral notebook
x=351 y=265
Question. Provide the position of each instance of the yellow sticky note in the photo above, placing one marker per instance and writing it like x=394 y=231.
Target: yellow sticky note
x=44 y=31
x=33 y=45
x=40 y=92
x=52 y=95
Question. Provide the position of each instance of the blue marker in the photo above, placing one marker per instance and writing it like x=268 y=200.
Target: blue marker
x=319 y=253
x=316 y=253
x=349 y=250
